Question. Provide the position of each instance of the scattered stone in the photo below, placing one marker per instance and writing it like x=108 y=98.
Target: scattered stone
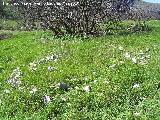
x=64 y=86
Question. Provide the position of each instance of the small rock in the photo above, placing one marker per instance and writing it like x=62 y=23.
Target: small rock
x=64 y=86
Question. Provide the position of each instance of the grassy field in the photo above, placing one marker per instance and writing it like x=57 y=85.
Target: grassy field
x=114 y=77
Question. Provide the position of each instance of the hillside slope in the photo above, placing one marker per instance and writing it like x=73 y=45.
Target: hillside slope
x=149 y=10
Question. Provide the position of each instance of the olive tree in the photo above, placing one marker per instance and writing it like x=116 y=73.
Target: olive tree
x=75 y=17
x=1 y=9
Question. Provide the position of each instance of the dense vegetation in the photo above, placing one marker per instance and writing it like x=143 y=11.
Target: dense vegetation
x=80 y=73
x=149 y=10
x=111 y=77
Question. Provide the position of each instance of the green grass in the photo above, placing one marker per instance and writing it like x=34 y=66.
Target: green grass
x=120 y=89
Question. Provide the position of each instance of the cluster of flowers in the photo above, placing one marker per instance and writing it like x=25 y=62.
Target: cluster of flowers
x=15 y=77
x=33 y=66
x=142 y=58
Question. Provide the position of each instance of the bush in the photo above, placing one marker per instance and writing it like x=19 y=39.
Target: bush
x=5 y=36
x=9 y=24
x=74 y=17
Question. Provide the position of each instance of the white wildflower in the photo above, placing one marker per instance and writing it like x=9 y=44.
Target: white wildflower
x=51 y=57
x=69 y=104
x=147 y=49
x=21 y=88
x=141 y=53
x=87 y=88
x=57 y=86
x=33 y=91
x=142 y=58
x=63 y=99
x=106 y=82
x=50 y=68
x=137 y=114
x=33 y=66
x=95 y=81
x=143 y=62
x=76 y=87
x=121 y=62
x=120 y=48
x=148 y=56
x=46 y=99
x=14 y=79
x=100 y=94
x=6 y=91
x=42 y=60
x=86 y=78
x=127 y=55
x=15 y=82
x=94 y=73
x=112 y=66
x=134 y=60
x=136 y=85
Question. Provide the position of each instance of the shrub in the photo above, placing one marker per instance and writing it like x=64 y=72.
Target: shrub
x=75 y=17
x=5 y=36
